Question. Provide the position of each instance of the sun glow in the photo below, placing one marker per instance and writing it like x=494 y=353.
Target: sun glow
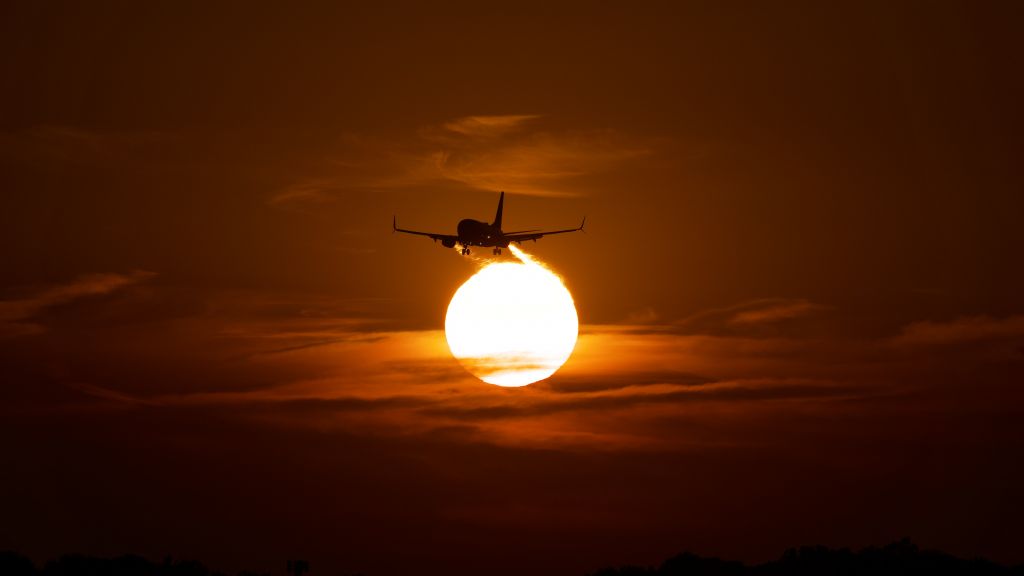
x=512 y=323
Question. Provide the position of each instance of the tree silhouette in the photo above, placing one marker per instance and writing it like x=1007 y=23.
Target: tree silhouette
x=901 y=558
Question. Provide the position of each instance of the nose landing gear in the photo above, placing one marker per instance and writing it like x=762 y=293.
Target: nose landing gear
x=497 y=251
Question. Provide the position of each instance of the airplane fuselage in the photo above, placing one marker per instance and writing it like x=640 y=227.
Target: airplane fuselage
x=476 y=233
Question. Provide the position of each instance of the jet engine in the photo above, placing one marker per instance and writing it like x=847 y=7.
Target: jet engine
x=448 y=243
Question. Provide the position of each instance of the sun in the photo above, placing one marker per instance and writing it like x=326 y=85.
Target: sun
x=512 y=323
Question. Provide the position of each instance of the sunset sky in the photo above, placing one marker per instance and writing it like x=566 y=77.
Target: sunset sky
x=799 y=290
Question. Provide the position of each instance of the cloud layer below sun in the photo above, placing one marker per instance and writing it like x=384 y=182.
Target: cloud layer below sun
x=696 y=382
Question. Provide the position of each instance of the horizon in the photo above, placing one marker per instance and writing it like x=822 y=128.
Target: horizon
x=902 y=554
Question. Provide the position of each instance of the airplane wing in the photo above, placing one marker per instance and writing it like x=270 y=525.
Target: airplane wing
x=520 y=238
x=444 y=238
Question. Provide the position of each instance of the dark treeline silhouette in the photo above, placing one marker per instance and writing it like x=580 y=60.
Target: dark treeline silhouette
x=14 y=564
x=900 y=558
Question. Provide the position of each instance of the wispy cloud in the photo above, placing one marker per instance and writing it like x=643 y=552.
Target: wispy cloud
x=750 y=314
x=75 y=145
x=488 y=126
x=541 y=164
x=774 y=311
x=962 y=330
x=15 y=315
x=308 y=192
x=518 y=153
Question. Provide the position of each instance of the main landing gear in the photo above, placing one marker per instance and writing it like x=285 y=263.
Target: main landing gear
x=465 y=251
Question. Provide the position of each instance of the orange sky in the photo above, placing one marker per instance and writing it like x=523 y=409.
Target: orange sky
x=799 y=287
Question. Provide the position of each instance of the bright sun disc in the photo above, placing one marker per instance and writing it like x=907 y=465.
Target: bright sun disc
x=512 y=323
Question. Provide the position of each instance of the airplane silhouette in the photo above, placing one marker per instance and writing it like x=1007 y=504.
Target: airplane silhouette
x=475 y=233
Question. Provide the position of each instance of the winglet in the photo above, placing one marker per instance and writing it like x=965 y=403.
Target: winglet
x=394 y=223
x=583 y=224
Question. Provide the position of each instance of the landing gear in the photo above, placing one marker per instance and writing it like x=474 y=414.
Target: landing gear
x=465 y=251
x=497 y=251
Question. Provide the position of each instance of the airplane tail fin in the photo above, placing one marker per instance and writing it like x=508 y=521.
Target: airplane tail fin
x=497 y=216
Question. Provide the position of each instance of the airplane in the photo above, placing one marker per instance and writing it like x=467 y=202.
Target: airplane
x=475 y=233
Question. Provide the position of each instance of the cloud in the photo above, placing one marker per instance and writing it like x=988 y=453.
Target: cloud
x=342 y=365
x=750 y=315
x=540 y=164
x=14 y=314
x=518 y=153
x=774 y=311
x=488 y=126
x=962 y=330
x=308 y=192
x=55 y=143
x=622 y=389
x=329 y=373
x=645 y=315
